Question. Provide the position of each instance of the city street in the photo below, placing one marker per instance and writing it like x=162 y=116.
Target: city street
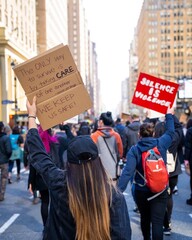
x=20 y=219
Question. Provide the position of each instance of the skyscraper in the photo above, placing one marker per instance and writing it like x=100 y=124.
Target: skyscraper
x=164 y=37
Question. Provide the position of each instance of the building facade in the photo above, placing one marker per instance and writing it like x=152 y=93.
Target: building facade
x=28 y=28
x=52 y=24
x=84 y=52
x=17 y=44
x=164 y=40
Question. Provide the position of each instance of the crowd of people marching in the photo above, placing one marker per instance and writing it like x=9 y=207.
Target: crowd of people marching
x=79 y=173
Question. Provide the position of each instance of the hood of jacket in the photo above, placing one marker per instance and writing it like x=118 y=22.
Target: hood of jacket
x=134 y=126
x=147 y=143
x=105 y=132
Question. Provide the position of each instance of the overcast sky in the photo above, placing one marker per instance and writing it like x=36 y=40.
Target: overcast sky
x=112 y=24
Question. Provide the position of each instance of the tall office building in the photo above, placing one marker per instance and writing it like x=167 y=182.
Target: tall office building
x=17 y=44
x=52 y=23
x=133 y=70
x=124 y=96
x=165 y=38
x=164 y=32
x=83 y=50
x=95 y=92
x=78 y=36
x=28 y=28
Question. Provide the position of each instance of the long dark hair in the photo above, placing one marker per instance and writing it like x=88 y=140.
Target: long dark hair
x=90 y=195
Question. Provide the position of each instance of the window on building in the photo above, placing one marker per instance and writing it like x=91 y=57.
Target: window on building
x=74 y=50
x=6 y=20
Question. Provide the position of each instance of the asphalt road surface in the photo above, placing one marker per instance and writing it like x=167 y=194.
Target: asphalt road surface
x=21 y=219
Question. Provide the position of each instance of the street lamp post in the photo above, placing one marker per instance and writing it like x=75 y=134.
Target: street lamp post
x=15 y=88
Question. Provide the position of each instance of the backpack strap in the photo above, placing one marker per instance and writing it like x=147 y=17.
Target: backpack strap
x=157 y=194
x=135 y=152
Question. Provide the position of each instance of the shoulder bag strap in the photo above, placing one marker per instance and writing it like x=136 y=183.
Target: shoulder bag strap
x=109 y=149
x=117 y=163
x=135 y=151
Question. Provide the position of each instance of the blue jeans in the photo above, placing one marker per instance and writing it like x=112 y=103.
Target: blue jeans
x=151 y=213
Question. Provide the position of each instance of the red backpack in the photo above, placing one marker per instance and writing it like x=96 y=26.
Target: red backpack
x=155 y=172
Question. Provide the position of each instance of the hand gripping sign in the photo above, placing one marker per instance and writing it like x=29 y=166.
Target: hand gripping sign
x=154 y=93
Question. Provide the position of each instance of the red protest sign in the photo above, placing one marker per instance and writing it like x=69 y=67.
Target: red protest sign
x=154 y=93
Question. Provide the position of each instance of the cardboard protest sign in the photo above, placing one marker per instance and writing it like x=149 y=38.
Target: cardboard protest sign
x=54 y=79
x=154 y=93
x=153 y=114
x=125 y=117
x=73 y=120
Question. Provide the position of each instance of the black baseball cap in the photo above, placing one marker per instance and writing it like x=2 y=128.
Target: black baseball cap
x=81 y=149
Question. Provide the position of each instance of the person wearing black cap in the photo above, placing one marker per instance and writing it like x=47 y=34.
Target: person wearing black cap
x=84 y=202
x=5 y=154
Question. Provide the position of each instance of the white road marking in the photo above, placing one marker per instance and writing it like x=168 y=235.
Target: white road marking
x=9 y=222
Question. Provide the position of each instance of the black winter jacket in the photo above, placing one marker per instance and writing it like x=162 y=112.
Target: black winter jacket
x=188 y=145
x=131 y=135
x=60 y=224
x=5 y=148
x=177 y=139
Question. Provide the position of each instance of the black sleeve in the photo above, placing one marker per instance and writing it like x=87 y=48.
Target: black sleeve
x=20 y=140
x=177 y=137
x=41 y=161
x=25 y=155
x=188 y=144
x=32 y=177
x=8 y=148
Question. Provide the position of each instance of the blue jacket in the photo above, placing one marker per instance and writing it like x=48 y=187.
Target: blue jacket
x=60 y=224
x=134 y=155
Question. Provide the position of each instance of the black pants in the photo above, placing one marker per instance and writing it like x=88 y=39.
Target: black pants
x=151 y=213
x=18 y=164
x=190 y=166
x=44 y=205
x=172 y=183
